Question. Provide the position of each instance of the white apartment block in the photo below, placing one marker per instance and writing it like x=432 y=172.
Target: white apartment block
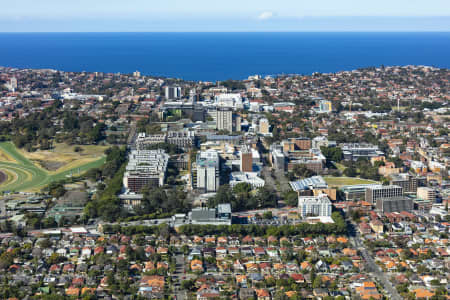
x=208 y=171
x=317 y=206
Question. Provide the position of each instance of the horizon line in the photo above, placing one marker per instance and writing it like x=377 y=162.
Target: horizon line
x=248 y=31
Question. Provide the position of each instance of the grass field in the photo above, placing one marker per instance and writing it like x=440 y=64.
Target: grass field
x=28 y=176
x=63 y=157
x=6 y=157
x=341 y=181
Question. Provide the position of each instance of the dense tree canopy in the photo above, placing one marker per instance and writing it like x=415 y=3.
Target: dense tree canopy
x=241 y=197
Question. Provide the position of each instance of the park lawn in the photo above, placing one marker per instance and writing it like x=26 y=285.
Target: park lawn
x=30 y=177
x=341 y=181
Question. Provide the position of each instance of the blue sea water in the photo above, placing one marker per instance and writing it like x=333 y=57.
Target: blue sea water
x=219 y=56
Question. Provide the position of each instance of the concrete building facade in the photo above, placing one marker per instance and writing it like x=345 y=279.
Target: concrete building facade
x=207 y=171
x=317 y=206
x=145 y=168
x=384 y=191
x=394 y=204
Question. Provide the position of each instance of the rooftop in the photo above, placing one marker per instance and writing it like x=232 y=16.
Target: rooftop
x=309 y=183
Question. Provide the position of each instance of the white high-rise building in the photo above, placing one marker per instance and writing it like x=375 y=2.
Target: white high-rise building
x=173 y=92
x=208 y=171
x=314 y=206
x=224 y=119
x=12 y=84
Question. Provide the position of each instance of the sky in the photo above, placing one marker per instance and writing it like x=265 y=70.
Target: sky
x=228 y=15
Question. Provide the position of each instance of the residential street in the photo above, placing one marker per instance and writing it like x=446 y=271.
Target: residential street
x=371 y=266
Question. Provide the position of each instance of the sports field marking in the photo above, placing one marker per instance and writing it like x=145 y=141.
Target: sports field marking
x=29 y=177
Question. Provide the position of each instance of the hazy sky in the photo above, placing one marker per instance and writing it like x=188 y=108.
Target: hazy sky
x=227 y=15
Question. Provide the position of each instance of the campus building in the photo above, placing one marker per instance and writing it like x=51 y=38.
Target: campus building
x=246 y=159
x=172 y=92
x=383 y=191
x=407 y=181
x=183 y=139
x=206 y=171
x=229 y=100
x=221 y=215
x=145 y=168
x=426 y=193
x=251 y=178
x=355 y=151
x=294 y=144
x=314 y=206
x=277 y=158
x=357 y=192
x=394 y=204
x=264 y=126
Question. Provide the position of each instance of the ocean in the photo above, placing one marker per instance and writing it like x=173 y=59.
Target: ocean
x=221 y=56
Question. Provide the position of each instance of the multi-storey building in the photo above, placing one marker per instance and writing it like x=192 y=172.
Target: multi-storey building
x=224 y=119
x=246 y=161
x=357 y=192
x=394 y=204
x=384 y=191
x=221 y=215
x=183 y=139
x=206 y=175
x=426 y=193
x=264 y=126
x=145 y=168
x=172 y=92
x=407 y=181
x=277 y=158
x=314 y=206
x=355 y=151
x=312 y=159
x=246 y=177
x=229 y=100
x=325 y=106
x=295 y=144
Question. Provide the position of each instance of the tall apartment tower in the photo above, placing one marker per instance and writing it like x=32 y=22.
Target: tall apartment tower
x=264 y=126
x=173 y=92
x=224 y=119
x=208 y=171
x=246 y=159
x=13 y=83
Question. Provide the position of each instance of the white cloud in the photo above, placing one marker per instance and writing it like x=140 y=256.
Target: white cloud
x=265 y=15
